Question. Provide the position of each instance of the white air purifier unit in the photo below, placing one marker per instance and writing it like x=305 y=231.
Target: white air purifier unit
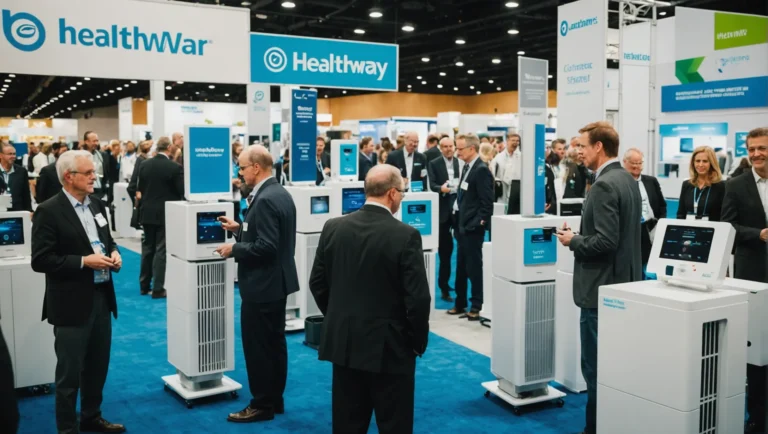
x=430 y=264
x=486 y=315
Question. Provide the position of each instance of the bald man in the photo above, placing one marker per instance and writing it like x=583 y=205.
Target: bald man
x=654 y=206
x=412 y=163
x=266 y=275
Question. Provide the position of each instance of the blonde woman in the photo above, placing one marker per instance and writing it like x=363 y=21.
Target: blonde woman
x=701 y=197
x=487 y=152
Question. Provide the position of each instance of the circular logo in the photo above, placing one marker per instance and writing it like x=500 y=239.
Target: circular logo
x=23 y=30
x=275 y=59
x=564 y=28
x=258 y=96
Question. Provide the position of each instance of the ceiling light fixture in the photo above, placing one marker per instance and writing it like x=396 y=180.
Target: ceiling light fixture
x=424 y=82
x=460 y=41
x=261 y=16
x=82 y=101
x=105 y=94
x=87 y=78
x=211 y=87
x=98 y=96
x=490 y=81
x=197 y=93
x=61 y=96
x=91 y=100
x=126 y=85
x=111 y=91
x=344 y=92
x=360 y=31
x=79 y=83
x=133 y=81
x=175 y=97
x=167 y=87
x=456 y=88
x=496 y=61
x=662 y=13
x=7 y=80
x=442 y=74
x=409 y=86
x=5 y=85
x=513 y=31
x=425 y=59
x=408 y=28
x=226 y=94
x=11 y=75
x=499 y=89
x=325 y=96
x=246 y=4
x=521 y=53
x=550 y=76
x=512 y=4
x=66 y=91
x=478 y=92
x=289 y=5
x=472 y=87
x=73 y=87
x=119 y=88
x=459 y=63
x=375 y=13
x=179 y=82
x=470 y=71
x=439 y=86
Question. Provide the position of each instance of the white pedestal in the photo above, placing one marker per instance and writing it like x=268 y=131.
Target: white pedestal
x=487 y=312
x=567 y=336
x=228 y=385
x=492 y=387
x=123 y=212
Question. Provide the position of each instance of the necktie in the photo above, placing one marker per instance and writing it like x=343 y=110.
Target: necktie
x=461 y=181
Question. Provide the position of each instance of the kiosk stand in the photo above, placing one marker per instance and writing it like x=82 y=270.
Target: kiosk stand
x=486 y=315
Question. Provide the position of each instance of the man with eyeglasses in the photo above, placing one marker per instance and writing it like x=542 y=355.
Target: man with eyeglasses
x=411 y=162
x=14 y=180
x=654 y=206
x=73 y=246
x=745 y=206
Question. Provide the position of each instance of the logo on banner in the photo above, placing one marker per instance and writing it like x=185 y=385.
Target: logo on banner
x=732 y=60
x=565 y=27
x=23 y=30
x=275 y=59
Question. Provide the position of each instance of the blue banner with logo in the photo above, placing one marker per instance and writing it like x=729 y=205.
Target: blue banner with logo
x=209 y=163
x=538 y=250
x=540 y=186
x=373 y=129
x=418 y=215
x=716 y=95
x=348 y=159
x=283 y=59
x=303 y=134
x=740 y=149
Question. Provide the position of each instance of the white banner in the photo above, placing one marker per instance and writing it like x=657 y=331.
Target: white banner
x=128 y=39
x=533 y=91
x=259 y=123
x=581 y=64
x=634 y=115
x=125 y=118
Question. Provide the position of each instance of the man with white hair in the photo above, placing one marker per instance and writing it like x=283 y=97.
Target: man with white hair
x=73 y=246
x=411 y=162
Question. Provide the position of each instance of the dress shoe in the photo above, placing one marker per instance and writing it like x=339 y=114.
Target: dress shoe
x=159 y=294
x=101 y=425
x=446 y=296
x=249 y=414
x=145 y=291
x=473 y=315
x=280 y=408
x=455 y=311
x=751 y=427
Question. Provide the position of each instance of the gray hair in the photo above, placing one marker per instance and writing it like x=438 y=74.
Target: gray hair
x=259 y=155
x=163 y=143
x=67 y=162
x=632 y=150
x=470 y=140
x=382 y=178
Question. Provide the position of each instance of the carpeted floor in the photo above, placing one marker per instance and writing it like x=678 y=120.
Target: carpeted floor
x=449 y=398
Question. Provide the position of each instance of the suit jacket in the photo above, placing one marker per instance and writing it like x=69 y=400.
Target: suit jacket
x=550 y=193
x=743 y=209
x=160 y=180
x=607 y=249
x=134 y=182
x=48 y=184
x=576 y=184
x=366 y=164
x=397 y=159
x=438 y=175
x=432 y=154
x=369 y=281
x=325 y=161
x=710 y=203
x=113 y=173
x=265 y=251
x=476 y=202
x=18 y=181
x=59 y=243
x=659 y=207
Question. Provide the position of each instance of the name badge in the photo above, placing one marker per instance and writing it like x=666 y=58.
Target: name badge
x=464 y=186
x=423 y=173
x=245 y=227
x=100 y=220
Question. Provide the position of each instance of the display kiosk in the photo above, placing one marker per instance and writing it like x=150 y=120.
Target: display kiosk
x=486 y=315
x=673 y=351
x=123 y=211
x=345 y=164
x=22 y=291
x=346 y=197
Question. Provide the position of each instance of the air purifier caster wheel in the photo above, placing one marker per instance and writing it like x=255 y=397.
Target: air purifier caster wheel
x=560 y=403
x=487 y=394
x=233 y=394
x=189 y=403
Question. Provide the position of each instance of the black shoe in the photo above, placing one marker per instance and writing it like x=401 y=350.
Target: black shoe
x=280 y=408
x=101 y=425
x=145 y=291
x=456 y=311
x=446 y=296
x=249 y=414
x=159 y=294
x=751 y=427
x=473 y=315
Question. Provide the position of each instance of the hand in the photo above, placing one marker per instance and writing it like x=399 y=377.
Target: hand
x=236 y=182
x=547 y=207
x=138 y=195
x=482 y=222
x=117 y=261
x=327 y=170
x=224 y=250
x=565 y=236
x=764 y=235
x=445 y=188
x=97 y=261
x=228 y=224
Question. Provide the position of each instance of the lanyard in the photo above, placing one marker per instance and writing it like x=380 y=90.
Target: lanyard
x=696 y=199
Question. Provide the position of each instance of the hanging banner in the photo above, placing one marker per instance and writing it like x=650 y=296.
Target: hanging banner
x=140 y=40
x=721 y=62
x=283 y=59
x=207 y=163
x=258 y=110
x=125 y=119
x=581 y=64
x=634 y=112
x=533 y=88
x=303 y=128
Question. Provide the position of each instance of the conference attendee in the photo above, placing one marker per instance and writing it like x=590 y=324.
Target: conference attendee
x=9 y=409
x=744 y=167
x=237 y=182
x=474 y=207
x=44 y=157
x=386 y=144
x=127 y=162
x=372 y=333
x=48 y=184
x=28 y=160
x=160 y=180
x=557 y=156
x=72 y=245
x=100 y=162
x=322 y=162
x=177 y=139
x=367 y=158
x=508 y=171
x=433 y=150
x=499 y=145
x=412 y=163
x=266 y=274
x=607 y=247
x=745 y=206
x=383 y=156
x=144 y=149
x=653 y=207
x=444 y=180
x=113 y=157
x=399 y=142
x=701 y=196
x=575 y=175
x=14 y=179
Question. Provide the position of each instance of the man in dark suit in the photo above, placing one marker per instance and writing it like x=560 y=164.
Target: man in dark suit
x=745 y=206
x=48 y=184
x=266 y=273
x=14 y=179
x=100 y=162
x=322 y=162
x=160 y=180
x=412 y=163
x=444 y=180
x=654 y=207
x=134 y=182
x=433 y=149
x=607 y=248
x=369 y=281
x=473 y=209
x=367 y=158
x=72 y=245
x=9 y=408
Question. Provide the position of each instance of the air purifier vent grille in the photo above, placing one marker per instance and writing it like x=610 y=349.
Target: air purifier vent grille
x=710 y=364
x=211 y=317
x=311 y=305
x=427 y=265
x=539 y=332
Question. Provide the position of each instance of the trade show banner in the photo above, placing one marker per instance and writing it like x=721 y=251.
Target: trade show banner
x=533 y=86
x=581 y=48
x=634 y=110
x=303 y=128
x=207 y=163
x=721 y=62
x=143 y=40
x=283 y=59
x=740 y=149
x=125 y=118
x=259 y=123
x=679 y=140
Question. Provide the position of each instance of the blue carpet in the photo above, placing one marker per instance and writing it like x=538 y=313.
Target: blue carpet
x=449 y=398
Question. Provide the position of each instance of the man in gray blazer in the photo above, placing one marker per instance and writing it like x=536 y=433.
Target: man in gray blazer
x=607 y=247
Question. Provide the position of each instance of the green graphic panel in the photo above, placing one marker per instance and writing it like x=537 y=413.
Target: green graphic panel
x=686 y=70
x=736 y=30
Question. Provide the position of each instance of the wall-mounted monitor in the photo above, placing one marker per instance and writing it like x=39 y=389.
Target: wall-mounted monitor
x=352 y=199
x=686 y=144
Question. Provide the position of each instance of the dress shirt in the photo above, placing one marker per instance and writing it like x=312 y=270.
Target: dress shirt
x=85 y=215
x=600 y=169
x=511 y=167
x=408 y=163
x=6 y=178
x=461 y=181
x=762 y=189
x=379 y=205
x=127 y=165
x=256 y=190
x=647 y=210
x=451 y=174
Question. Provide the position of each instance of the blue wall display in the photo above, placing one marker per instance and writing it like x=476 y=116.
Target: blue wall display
x=283 y=59
x=741 y=145
x=537 y=249
x=348 y=159
x=540 y=187
x=303 y=134
x=373 y=129
x=716 y=95
x=208 y=162
x=418 y=215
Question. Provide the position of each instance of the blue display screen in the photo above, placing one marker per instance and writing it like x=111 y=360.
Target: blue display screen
x=11 y=231
x=687 y=243
x=319 y=205
x=418 y=215
x=348 y=163
x=209 y=230
x=540 y=247
x=686 y=144
x=352 y=199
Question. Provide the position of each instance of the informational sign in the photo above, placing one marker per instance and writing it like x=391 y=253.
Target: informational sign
x=374 y=129
x=533 y=89
x=418 y=215
x=284 y=59
x=258 y=110
x=303 y=127
x=741 y=145
x=207 y=163
x=721 y=62
x=120 y=38
x=581 y=45
x=538 y=249
x=344 y=159
x=679 y=140
x=276 y=132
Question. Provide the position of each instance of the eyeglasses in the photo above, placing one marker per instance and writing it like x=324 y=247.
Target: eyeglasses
x=635 y=163
x=461 y=149
x=242 y=168
x=88 y=173
x=401 y=191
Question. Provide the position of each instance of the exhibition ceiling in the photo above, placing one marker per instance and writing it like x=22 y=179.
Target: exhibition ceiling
x=446 y=46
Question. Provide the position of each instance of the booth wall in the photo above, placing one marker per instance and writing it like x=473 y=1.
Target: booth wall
x=103 y=121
